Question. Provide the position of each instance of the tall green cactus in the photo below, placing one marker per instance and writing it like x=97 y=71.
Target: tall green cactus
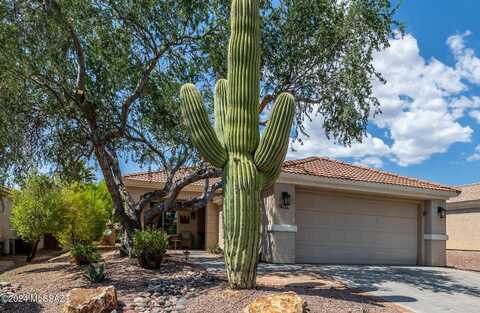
x=250 y=164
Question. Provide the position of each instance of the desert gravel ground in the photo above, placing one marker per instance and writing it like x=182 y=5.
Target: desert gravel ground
x=223 y=300
x=57 y=277
x=465 y=260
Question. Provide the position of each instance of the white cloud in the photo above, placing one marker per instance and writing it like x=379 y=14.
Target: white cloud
x=421 y=104
x=459 y=105
x=468 y=64
x=476 y=154
x=318 y=144
x=370 y=162
x=475 y=114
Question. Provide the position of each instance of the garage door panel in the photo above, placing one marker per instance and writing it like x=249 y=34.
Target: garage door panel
x=332 y=236
x=357 y=255
x=330 y=203
x=336 y=229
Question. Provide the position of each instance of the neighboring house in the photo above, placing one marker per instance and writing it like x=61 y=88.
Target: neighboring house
x=463 y=222
x=7 y=235
x=10 y=243
x=326 y=211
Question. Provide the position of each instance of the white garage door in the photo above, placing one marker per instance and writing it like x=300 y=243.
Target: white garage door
x=344 y=229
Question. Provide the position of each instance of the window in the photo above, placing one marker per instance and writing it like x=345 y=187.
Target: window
x=167 y=221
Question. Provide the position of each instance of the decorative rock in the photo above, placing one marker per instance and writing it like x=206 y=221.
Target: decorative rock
x=140 y=301
x=90 y=300
x=288 y=302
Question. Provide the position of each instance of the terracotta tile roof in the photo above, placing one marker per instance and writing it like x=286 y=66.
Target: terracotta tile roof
x=323 y=167
x=160 y=177
x=469 y=193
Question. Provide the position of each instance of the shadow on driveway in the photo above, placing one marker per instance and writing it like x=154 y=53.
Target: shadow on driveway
x=369 y=278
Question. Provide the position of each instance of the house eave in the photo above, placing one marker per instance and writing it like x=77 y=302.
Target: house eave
x=365 y=187
x=463 y=204
x=159 y=185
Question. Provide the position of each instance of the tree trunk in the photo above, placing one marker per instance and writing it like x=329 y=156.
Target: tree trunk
x=33 y=251
x=126 y=249
x=123 y=205
x=241 y=207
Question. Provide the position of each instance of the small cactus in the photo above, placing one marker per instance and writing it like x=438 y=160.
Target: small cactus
x=251 y=164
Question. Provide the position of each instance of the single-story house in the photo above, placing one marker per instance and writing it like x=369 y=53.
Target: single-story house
x=325 y=211
x=463 y=219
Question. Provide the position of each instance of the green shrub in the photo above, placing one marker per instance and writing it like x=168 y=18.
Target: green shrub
x=215 y=250
x=38 y=209
x=89 y=209
x=85 y=254
x=150 y=240
x=96 y=274
x=150 y=246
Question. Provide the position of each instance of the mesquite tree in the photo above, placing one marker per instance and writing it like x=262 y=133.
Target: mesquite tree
x=98 y=80
x=250 y=164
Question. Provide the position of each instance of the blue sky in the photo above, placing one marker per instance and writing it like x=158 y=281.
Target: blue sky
x=431 y=122
x=430 y=126
x=431 y=22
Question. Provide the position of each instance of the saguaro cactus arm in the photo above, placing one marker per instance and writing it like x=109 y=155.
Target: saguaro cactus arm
x=242 y=134
x=199 y=127
x=273 y=145
x=220 y=105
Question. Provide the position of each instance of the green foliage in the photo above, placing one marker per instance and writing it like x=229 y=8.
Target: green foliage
x=89 y=209
x=216 y=250
x=151 y=240
x=96 y=274
x=38 y=209
x=321 y=51
x=85 y=254
x=40 y=71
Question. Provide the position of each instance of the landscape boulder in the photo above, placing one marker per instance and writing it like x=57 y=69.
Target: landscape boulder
x=91 y=300
x=288 y=302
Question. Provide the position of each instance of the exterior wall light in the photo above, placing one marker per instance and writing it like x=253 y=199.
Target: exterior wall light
x=286 y=199
x=442 y=212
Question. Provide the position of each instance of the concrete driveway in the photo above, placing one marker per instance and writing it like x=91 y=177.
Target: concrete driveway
x=419 y=289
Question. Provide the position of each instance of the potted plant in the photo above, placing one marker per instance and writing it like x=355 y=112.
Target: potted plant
x=150 y=246
x=84 y=254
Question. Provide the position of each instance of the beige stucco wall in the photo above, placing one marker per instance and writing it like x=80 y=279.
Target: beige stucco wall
x=5 y=228
x=463 y=229
x=211 y=226
x=211 y=215
x=279 y=228
x=435 y=234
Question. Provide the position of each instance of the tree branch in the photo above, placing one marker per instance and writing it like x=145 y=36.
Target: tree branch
x=265 y=101
x=80 y=84
x=192 y=204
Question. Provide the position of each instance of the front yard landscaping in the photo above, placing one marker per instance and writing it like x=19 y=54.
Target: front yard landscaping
x=176 y=287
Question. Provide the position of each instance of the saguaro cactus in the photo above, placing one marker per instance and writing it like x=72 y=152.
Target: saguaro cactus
x=250 y=164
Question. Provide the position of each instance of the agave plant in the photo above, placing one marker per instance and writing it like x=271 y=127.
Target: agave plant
x=96 y=273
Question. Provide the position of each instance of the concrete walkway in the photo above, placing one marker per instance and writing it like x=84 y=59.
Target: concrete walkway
x=420 y=289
